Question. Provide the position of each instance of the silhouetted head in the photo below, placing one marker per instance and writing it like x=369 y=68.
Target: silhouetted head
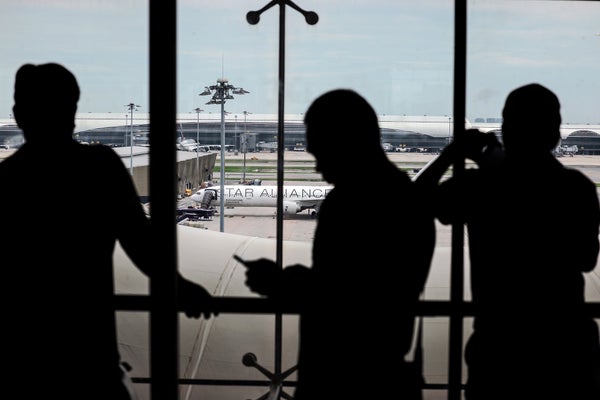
x=336 y=120
x=46 y=97
x=531 y=121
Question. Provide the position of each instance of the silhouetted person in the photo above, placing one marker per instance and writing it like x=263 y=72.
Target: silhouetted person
x=369 y=262
x=63 y=206
x=532 y=226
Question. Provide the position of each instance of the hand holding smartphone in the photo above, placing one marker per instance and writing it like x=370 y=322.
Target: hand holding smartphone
x=262 y=275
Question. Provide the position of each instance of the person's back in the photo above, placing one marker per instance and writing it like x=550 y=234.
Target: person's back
x=531 y=338
x=368 y=269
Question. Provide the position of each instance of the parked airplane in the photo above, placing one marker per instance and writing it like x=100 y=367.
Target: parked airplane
x=295 y=198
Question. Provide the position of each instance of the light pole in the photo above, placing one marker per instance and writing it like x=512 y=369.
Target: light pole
x=221 y=92
x=132 y=107
x=125 y=136
x=244 y=146
x=235 y=146
x=198 y=110
x=449 y=131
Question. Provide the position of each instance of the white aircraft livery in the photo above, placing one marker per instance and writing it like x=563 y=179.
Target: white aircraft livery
x=295 y=198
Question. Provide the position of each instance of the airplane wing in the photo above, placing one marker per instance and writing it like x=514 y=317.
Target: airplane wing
x=214 y=348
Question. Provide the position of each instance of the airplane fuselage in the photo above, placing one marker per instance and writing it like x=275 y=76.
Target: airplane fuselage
x=295 y=198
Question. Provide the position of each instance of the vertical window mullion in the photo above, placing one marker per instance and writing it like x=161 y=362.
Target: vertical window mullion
x=457 y=258
x=164 y=332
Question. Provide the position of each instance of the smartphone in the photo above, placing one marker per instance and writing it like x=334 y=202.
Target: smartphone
x=239 y=259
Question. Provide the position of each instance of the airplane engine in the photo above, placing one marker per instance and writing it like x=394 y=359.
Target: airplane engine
x=208 y=197
x=290 y=207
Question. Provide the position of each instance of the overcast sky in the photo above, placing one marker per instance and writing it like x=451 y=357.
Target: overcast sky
x=397 y=53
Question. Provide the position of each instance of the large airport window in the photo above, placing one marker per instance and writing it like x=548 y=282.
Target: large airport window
x=228 y=99
x=397 y=54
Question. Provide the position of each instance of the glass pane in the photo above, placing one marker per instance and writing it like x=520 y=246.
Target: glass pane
x=105 y=45
x=554 y=43
x=397 y=54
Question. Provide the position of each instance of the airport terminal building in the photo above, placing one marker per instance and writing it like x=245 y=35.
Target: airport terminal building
x=258 y=132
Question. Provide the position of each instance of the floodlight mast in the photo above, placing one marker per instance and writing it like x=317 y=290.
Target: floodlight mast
x=221 y=92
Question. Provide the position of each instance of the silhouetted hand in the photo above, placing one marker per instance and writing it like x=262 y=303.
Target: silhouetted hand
x=483 y=148
x=477 y=145
x=263 y=276
x=196 y=300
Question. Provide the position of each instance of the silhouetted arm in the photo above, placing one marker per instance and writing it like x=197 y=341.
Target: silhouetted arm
x=483 y=148
x=432 y=174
